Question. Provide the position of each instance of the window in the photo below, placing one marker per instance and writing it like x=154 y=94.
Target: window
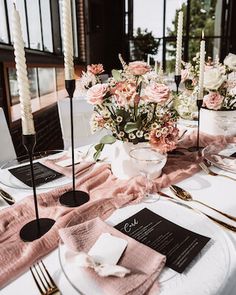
x=37 y=24
x=3 y=27
x=160 y=17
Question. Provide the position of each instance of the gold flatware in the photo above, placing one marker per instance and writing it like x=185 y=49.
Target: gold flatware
x=212 y=173
x=8 y=198
x=186 y=196
x=43 y=280
x=219 y=222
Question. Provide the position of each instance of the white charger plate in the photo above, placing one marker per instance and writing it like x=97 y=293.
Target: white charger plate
x=206 y=274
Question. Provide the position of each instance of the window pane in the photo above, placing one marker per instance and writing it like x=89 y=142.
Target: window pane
x=46 y=25
x=20 y=6
x=203 y=14
x=60 y=77
x=14 y=90
x=74 y=23
x=172 y=7
x=3 y=26
x=34 y=25
x=61 y=24
x=149 y=16
x=46 y=80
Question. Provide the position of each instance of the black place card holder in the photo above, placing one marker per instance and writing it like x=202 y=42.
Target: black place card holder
x=42 y=174
x=179 y=245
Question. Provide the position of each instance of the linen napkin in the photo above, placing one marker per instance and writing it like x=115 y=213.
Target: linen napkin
x=144 y=263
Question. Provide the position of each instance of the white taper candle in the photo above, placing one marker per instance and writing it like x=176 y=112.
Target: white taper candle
x=148 y=59
x=179 y=44
x=22 y=79
x=202 y=67
x=68 y=40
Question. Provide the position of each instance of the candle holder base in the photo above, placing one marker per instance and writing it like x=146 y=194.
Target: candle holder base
x=31 y=231
x=74 y=198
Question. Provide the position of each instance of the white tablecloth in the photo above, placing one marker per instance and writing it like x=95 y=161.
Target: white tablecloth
x=216 y=191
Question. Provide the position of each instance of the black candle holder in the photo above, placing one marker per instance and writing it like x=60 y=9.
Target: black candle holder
x=177 y=82
x=39 y=226
x=197 y=147
x=74 y=197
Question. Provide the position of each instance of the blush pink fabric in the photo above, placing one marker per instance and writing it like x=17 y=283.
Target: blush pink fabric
x=144 y=270
x=107 y=193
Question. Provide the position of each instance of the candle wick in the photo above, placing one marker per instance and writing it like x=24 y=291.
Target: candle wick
x=14 y=4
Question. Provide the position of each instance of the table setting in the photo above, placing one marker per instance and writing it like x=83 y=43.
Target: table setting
x=149 y=209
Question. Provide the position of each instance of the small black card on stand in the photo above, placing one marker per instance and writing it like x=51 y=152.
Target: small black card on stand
x=42 y=174
x=179 y=245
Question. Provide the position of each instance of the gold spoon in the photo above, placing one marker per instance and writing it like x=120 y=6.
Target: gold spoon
x=222 y=223
x=186 y=196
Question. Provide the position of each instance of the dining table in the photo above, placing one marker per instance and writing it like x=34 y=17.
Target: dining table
x=212 y=272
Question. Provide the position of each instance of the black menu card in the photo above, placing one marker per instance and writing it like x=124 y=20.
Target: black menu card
x=179 y=245
x=42 y=174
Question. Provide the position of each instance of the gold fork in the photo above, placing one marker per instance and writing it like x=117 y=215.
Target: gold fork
x=212 y=173
x=43 y=280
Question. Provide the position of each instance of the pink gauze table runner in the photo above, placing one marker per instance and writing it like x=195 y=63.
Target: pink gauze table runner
x=107 y=193
x=144 y=270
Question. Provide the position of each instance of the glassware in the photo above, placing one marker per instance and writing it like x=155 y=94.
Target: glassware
x=225 y=123
x=149 y=163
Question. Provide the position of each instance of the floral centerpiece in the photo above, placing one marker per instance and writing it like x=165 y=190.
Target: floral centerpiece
x=135 y=106
x=219 y=86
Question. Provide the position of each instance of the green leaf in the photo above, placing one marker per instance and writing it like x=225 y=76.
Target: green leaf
x=131 y=127
x=96 y=155
x=99 y=146
x=116 y=75
x=107 y=139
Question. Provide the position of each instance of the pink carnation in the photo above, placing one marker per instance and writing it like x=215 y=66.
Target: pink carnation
x=95 y=69
x=124 y=92
x=138 y=68
x=96 y=93
x=156 y=92
x=166 y=141
x=213 y=101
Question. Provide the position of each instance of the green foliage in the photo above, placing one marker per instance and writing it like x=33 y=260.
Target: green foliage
x=202 y=18
x=144 y=43
x=107 y=139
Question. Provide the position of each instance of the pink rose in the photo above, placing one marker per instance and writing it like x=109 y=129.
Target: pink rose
x=96 y=93
x=213 y=101
x=156 y=92
x=95 y=69
x=138 y=68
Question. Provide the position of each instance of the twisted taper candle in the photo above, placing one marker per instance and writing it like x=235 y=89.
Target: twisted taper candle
x=68 y=40
x=179 y=44
x=22 y=79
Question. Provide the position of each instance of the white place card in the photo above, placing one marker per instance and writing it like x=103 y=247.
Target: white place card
x=108 y=249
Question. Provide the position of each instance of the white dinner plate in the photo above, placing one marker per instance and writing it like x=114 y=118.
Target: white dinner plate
x=221 y=156
x=206 y=274
x=10 y=180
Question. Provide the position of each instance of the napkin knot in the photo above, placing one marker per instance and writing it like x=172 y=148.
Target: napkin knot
x=102 y=269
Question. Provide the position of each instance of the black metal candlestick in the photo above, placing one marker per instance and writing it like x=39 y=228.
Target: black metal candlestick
x=39 y=226
x=177 y=82
x=197 y=147
x=74 y=197
x=199 y=105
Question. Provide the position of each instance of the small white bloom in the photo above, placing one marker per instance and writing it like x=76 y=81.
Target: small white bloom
x=119 y=119
x=158 y=133
x=131 y=136
x=121 y=134
x=146 y=136
x=139 y=133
